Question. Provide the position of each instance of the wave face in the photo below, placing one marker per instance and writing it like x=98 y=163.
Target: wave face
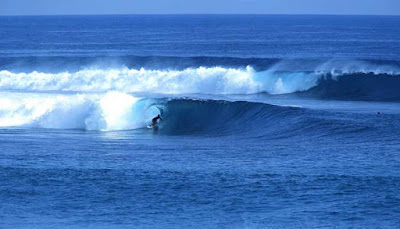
x=186 y=116
x=263 y=121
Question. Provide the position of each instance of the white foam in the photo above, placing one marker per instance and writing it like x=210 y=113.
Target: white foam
x=109 y=111
x=216 y=80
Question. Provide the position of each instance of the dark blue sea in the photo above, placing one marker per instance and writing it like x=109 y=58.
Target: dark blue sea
x=267 y=121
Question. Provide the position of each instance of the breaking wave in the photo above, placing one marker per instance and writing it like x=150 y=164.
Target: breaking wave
x=110 y=111
x=344 y=83
x=119 y=111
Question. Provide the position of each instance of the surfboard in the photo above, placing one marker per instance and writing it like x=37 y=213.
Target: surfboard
x=151 y=126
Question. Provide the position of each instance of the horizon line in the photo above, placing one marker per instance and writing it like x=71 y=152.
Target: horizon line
x=188 y=14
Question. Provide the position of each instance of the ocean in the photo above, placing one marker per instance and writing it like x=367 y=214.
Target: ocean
x=268 y=121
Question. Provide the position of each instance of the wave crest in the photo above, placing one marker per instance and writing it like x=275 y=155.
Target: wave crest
x=216 y=80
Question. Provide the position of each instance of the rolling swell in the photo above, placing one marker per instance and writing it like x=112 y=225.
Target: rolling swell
x=356 y=86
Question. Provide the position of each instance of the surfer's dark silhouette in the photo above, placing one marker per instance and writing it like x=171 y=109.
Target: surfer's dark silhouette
x=154 y=120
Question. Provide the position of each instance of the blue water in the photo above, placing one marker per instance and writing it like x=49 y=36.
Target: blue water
x=268 y=121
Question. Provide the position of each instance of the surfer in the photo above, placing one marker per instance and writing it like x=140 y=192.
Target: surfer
x=154 y=120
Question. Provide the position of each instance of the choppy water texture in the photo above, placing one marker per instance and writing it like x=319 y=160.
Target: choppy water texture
x=268 y=121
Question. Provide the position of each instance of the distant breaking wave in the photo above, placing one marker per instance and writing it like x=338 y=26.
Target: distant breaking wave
x=346 y=83
x=216 y=80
